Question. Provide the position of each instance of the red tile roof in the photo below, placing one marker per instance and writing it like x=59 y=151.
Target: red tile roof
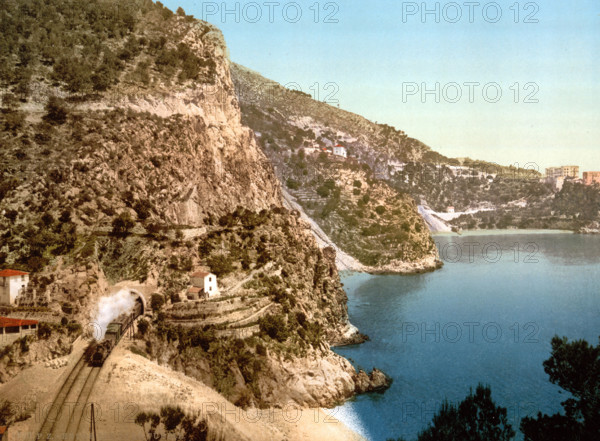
x=6 y=322
x=194 y=290
x=11 y=273
x=200 y=274
x=2 y=430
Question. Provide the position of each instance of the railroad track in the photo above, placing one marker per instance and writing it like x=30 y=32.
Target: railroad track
x=65 y=416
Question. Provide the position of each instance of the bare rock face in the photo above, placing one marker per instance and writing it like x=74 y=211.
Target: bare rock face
x=215 y=164
x=317 y=381
x=376 y=381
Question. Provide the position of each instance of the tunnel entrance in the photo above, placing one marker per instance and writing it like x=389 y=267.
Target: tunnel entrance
x=140 y=299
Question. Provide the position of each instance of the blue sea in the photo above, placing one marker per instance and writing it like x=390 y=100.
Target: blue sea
x=487 y=316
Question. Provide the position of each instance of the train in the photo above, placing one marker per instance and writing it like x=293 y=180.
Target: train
x=97 y=352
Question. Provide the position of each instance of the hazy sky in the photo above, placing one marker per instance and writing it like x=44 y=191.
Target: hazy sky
x=378 y=57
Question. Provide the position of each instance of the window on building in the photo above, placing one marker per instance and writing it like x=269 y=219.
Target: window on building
x=23 y=278
x=33 y=326
x=25 y=327
x=12 y=329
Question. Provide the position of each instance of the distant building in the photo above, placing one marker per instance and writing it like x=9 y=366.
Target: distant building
x=450 y=209
x=311 y=150
x=12 y=329
x=340 y=150
x=570 y=171
x=204 y=286
x=12 y=283
x=565 y=171
x=557 y=182
x=591 y=178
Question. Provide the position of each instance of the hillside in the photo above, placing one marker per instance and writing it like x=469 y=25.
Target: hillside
x=363 y=215
x=125 y=161
x=491 y=195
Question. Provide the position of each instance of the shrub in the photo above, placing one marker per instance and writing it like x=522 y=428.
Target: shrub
x=56 y=111
x=157 y=301
x=274 y=326
x=122 y=224
x=292 y=184
x=143 y=326
x=220 y=264
x=44 y=331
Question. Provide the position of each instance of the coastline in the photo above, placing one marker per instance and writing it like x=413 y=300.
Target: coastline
x=508 y=231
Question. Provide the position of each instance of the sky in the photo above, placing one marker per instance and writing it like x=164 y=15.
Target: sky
x=508 y=82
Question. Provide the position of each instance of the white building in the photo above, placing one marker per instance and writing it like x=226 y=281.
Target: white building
x=12 y=283
x=204 y=286
x=339 y=150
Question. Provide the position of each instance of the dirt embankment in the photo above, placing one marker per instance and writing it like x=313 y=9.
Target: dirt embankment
x=130 y=383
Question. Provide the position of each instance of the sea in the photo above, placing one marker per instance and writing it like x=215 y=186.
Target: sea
x=488 y=316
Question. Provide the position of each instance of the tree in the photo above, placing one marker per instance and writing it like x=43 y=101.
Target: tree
x=194 y=431
x=141 y=419
x=157 y=301
x=122 y=224
x=477 y=418
x=575 y=367
x=171 y=418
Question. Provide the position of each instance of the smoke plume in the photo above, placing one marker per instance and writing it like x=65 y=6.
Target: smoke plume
x=109 y=308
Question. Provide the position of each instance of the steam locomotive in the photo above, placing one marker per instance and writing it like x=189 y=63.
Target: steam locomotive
x=97 y=352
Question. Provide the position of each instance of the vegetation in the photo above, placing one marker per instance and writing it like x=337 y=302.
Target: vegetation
x=11 y=413
x=88 y=46
x=172 y=420
x=574 y=366
x=287 y=272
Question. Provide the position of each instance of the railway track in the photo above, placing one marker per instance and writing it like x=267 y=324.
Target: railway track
x=64 y=418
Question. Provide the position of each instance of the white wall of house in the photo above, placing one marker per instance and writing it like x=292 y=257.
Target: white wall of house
x=210 y=286
x=340 y=151
x=208 y=283
x=10 y=288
